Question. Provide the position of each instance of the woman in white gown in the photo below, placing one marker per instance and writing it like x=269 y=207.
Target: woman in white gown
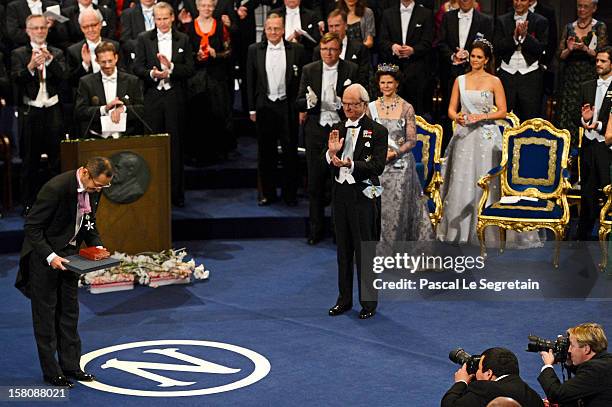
x=474 y=149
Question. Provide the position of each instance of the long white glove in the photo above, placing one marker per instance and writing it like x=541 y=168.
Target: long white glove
x=311 y=98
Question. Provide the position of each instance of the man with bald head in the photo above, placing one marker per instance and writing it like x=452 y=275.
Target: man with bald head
x=503 y=402
x=356 y=154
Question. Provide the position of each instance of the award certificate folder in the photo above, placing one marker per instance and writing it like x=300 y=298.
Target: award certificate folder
x=81 y=265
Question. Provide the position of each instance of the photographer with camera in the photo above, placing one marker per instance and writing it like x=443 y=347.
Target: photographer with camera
x=497 y=375
x=590 y=364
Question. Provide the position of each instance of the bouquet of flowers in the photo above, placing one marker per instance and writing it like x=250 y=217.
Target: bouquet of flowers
x=152 y=269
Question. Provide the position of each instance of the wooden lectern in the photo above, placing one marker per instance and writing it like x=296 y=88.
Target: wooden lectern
x=145 y=224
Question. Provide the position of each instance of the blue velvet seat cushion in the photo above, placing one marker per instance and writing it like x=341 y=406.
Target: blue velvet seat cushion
x=541 y=209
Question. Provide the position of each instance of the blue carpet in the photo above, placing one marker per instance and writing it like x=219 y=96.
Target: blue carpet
x=272 y=296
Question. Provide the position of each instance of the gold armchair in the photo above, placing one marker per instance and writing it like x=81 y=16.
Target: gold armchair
x=605 y=226
x=427 y=153
x=534 y=183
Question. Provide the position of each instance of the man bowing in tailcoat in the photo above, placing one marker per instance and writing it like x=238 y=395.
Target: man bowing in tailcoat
x=63 y=216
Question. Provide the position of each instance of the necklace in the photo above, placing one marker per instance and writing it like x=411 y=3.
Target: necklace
x=391 y=106
x=585 y=26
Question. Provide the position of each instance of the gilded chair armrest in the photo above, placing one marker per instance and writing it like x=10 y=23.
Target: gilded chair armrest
x=566 y=180
x=484 y=184
x=494 y=172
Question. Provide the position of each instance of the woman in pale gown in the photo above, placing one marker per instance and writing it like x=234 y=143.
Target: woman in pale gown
x=474 y=150
x=404 y=214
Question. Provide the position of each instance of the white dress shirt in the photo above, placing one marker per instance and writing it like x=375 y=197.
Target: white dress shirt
x=164 y=45
x=83 y=8
x=110 y=93
x=344 y=45
x=292 y=21
x=329 y=115
x=405 y=14
x=517 y=61
x=35 y=6
x=147 y=12
x=465 y=22
x=345 y=174
x=276 y=67
x=602 y=88
x=92 y=51
x=42 y=97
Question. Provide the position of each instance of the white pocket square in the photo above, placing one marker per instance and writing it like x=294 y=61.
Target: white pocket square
x=367 y=144
x=309 y=25
x=180 y=50
x=104 y=23
x=354 y=56
x=347 y=82
x=419 y=25
x=127 y=97
x=132 y=55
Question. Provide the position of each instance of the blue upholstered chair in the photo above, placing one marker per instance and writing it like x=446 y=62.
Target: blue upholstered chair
x=534 y=166
x=427 y=153
x=605 y=226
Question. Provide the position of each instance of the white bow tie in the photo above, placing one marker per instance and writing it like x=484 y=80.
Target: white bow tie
x=520 y=18
x=464 y=15
x=164 y=37
x=603 y=82
x=330 y=68
x=109 y=79
x=275 y=47
x=293 y=12
x=350 y=123
x=405 y=9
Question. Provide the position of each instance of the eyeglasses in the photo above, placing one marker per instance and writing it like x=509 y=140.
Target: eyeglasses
x=330 y=49
x=352 y=105
x=96 y=184
x=89 y=26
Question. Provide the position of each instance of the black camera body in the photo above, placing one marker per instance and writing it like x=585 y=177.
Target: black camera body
x=559 y=346
x=459 y=356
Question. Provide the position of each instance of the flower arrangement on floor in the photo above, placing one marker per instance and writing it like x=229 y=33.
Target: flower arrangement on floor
x=152 y=269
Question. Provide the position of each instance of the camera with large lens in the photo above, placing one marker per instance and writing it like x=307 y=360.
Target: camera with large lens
x=559 y=346
x=459 y=356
